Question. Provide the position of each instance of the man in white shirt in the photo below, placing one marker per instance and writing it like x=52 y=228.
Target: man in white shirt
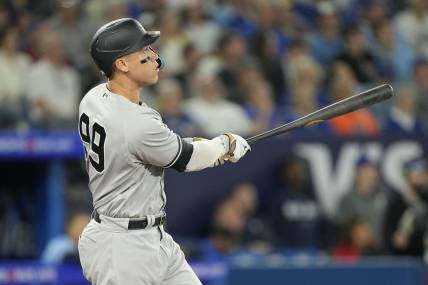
x=53 y=88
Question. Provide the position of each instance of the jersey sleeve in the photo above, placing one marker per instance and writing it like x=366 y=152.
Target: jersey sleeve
x=152 y=142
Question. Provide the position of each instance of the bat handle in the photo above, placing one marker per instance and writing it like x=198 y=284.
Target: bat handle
x=252 y=140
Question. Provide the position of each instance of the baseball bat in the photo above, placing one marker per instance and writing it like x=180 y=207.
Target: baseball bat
x=361 y=100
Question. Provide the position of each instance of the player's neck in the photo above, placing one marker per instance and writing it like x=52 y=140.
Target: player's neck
x=129 y=91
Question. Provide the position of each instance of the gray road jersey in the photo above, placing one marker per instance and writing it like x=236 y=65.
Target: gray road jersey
x=127 y=147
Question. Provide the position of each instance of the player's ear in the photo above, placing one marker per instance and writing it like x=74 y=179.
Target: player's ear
x=121 y=64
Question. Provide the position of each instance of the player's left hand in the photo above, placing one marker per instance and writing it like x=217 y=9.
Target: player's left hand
x=238 y=148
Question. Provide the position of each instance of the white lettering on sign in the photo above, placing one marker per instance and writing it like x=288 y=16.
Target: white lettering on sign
x=334 y=178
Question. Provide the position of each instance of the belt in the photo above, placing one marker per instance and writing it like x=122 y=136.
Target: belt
x=135 y=224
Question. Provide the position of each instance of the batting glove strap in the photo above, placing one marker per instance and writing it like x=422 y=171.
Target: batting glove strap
x=231 y=144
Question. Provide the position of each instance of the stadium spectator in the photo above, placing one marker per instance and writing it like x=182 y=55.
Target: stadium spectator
x=247 y=74
x=237 y=16
x=25 y=23
x=373 y=13
x=403 y=118
x=266 y=50
x=74 y=30
x=360 y=122
x=405 y=216
x=53 y=88
x=366 y=199
x=257 y=235
x=202 y=31
x=304 y=101
x=245 y=197
x=265 y=16
x=356 y=240
x=116 y=9
x=174 y=40
x=96 y=9
x=420 y=78
x=326 y=42
x=14 y=67
x=290 y=26
x=64 y=248
x=209 y=109
x=301 y=68
x=5 y=16
x=227 y=227
x=147 y=10
x=394 y=57
x=170 y=105
x=236 y=225
x=192 y=58
x=357 y=56
x=294 y=211
x=278 y=21
x=260 y=107
x=231 y=55
x=105 y=10
x=30 y=37
x=412 y=23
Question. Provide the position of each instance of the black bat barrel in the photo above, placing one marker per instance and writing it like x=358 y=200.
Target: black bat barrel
x=361 y=100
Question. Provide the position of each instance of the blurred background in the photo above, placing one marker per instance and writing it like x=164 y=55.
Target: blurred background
x=343 y=202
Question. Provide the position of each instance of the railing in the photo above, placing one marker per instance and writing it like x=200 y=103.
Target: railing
x=273 y=269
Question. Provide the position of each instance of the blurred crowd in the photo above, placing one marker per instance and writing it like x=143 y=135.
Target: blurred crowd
x=242 y=66
x=371 y=220
x=246 y=66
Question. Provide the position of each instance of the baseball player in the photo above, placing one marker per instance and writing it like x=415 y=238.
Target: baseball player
x=127 y=148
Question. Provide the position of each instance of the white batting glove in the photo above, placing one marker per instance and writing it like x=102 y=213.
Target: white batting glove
x=238 y=147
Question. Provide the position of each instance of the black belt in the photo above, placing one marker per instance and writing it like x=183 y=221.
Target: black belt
x=135 y=224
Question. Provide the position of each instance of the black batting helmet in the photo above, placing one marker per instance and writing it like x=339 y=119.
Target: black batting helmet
x=119 y=38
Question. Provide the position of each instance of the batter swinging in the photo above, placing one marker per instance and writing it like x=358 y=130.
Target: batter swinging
x=127 y=148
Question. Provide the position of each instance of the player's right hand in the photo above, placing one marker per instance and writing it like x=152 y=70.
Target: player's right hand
x=238 y=147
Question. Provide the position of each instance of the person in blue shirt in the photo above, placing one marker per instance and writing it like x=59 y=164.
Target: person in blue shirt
x=326 y=43
x=64 y=248
x=394 y=57
x=402 y=118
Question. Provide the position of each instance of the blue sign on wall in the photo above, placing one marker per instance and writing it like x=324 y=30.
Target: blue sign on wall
x=40 y=145
x=332 y=162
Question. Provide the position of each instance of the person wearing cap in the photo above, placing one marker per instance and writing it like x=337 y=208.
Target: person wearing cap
x=405 y=215
x=127 y=147
x=366 y=199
